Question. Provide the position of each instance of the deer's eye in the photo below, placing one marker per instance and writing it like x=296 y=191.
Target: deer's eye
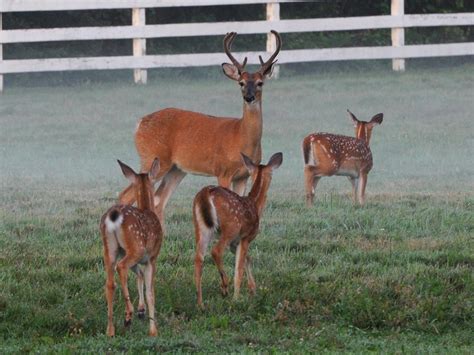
x=260 y=84
x=241 y=83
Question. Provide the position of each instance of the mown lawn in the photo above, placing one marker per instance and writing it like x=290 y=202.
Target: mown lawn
x=393 y=276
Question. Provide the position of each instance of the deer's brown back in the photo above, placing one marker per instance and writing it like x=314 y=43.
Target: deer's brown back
x=338 y=154
x=231 y=207
x=138 y=227
x=194 y=142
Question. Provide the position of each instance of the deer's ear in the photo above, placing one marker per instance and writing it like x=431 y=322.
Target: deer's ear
x=353 y=118
x=275 y=161
x=377 y=119
x=128 y=172
x=248 y=163
x=154 y=170
x=231 y=71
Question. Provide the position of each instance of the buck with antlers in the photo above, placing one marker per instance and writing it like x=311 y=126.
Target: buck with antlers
x=328 y=154
x=237 y=218
x=132 y=237
x=196 y=143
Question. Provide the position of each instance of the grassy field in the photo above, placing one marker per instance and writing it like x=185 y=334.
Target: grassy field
x=394 y=276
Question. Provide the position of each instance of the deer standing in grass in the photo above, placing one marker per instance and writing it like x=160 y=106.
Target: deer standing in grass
x=328 y=154
x=197 y=143
x=132 y=237
x=237 y=218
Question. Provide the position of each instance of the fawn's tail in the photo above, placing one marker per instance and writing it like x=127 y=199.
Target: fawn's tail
x=114 y=220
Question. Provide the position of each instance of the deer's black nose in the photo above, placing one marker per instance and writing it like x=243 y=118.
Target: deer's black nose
x=249 y=98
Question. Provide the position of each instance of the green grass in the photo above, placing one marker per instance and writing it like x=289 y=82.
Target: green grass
x=393 y=276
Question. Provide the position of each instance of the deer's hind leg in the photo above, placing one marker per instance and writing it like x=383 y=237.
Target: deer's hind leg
x=110 y=259
x=308 y=184
x=122 y=268
x=217 y=255
x=250 y=279
x=150 y=269
x=311 y=179
x=203 y=237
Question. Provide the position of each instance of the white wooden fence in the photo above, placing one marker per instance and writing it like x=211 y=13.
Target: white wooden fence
x=139 y=31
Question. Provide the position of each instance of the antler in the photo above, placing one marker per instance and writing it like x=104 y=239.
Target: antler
x=266 y=65
x=228 y=39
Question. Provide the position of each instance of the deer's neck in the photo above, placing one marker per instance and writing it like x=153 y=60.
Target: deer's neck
x=251 y=127
x=145 y=199
x=258 y=193
x=362 y=133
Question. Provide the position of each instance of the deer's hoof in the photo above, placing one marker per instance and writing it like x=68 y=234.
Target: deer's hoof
x=252 y=291
x=141 y=314
x=224 y=291
x=111 y=331
x=153 y=332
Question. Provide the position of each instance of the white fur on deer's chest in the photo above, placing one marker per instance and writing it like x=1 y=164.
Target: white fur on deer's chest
x=348 y=172
x=349 y=167
x=193 y=171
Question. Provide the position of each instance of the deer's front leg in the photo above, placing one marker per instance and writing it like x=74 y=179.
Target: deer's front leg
x=224 y=181
x=250 y=279
x=238 y=186
x=361 y=189
x=127 y=196
x=141 y=299
x=354 y=183
x=168 y=185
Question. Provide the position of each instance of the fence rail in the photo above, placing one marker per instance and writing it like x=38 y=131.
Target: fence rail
x=64 y=5
x=139 y=32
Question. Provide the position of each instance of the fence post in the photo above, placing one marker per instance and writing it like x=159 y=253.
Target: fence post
x=273 y=14
x=139 y=45
x=398 y=34
x=1 y=55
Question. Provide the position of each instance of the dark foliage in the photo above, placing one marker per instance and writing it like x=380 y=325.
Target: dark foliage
x=342 y=8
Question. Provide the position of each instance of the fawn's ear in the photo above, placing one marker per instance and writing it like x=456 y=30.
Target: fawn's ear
x=154 y=170
x=231 y=71
x=275 y=161
x=353 y=118
x=248 y=163
x=128 y=172
x=377 y=119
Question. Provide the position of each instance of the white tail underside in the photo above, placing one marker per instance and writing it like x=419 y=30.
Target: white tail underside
x=113 y=226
